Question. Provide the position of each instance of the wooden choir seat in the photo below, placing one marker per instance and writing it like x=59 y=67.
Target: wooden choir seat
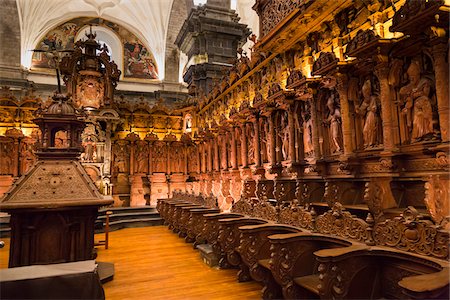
x=254 y=250
x=381 y=273
x=298 y=253
x=229 y=239
x=180 y=217
x=196 y=223
x=293 y=264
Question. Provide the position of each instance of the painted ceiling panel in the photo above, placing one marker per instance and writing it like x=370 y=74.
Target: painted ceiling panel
x=148 y=19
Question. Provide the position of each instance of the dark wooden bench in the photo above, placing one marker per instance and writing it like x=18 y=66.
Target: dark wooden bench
x=196 y=223
x=293 y=264
x=229 y=240
x=380 y=273
x=254 y=250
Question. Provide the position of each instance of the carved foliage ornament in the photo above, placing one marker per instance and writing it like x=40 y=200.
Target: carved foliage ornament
x=339 y=222
x=410 y=232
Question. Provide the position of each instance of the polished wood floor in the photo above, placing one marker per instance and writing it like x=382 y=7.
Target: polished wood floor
x=154 y=263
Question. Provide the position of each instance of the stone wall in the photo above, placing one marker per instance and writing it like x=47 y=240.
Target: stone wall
x=9 y=41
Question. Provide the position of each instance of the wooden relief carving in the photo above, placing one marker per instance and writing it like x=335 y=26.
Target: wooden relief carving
x=282 y=261
x=335 y=278
x=121 y=156
x=274 y=11
x=27 y=156
x=411 y=232
x=242 y=207
x=141 y=157
x=297 y=216
x=265 y=210
x=331 y=193
x=6 y=156
x=437 y=198
x=339 y=222
x=159 y=157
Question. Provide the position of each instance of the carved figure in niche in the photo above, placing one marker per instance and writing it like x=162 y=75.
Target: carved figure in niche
x=6 y=158
x=188 y=127
x=368 y=110
x=415 y=96
x=27 y=156
x=176 y=159
x=61 y=140
x=284 y=135
x=90 y=92
x=141 y=158
x=193 y=160
x=308 y=146
x=159 y=158
x=89 y=154
x=121 y=158
x=334 y=122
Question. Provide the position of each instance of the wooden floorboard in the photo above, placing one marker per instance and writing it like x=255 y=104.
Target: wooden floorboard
x=154 y=263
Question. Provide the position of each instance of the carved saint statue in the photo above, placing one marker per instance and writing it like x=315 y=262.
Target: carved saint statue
x=334 y=121
x=6 y=158
x=89 y=149
x=308 y=146
x=27 y=157
x=417 y=104
x=141 y=159
x=368 y=109
x=121 y=158
x=284 y=134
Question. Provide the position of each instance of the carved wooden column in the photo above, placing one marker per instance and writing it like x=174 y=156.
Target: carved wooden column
x=234 y=163
x=204 y=162
x=291 y=124
x=440 y=51
x=244 y=146
x=224 y=153
x=257 y=141
x=168 y=160
x=185 y=159
x=199 y=165
x=15 y=157
x=272 y=139
x=108 y=150
x=216 y=154
x=315 y=129
x=210 y=154
x=342 y=87
x=132 y=148
x=150 y=162
x=299 y=147
x=382 y=73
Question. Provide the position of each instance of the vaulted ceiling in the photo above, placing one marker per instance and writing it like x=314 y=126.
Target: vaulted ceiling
x=147 y=19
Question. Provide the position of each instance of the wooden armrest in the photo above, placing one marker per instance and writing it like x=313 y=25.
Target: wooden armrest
x=426 y=282
x=205 y=210
x=336 y=252
x=241 y=219
x=222 y=215
x=269 y=226
x=305 y=235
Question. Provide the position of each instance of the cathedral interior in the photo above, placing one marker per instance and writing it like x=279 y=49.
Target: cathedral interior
x=299 y=145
